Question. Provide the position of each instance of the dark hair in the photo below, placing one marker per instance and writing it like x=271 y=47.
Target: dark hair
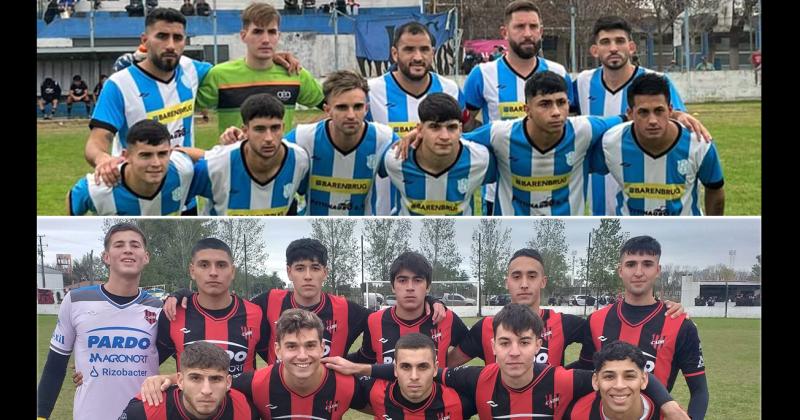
x=122 y=227
x=648 y=84
x=618 y=350
x=165 y=14
x=306 y=249
x=261 y=105
x=414 y=28
x=640 y=245
x=544 y=83
x=76 y=77
x=212 y=243
x=294 y=320
x=610 y=23
x=103 y=76
x=518 y=318
x=438 y=107
x=414 y=262
x=204 y=355
x=527 y=252
x=149 y=132
x=414 y=341
x=519 y=6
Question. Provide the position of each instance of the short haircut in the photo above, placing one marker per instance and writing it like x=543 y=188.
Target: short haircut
x=544 y=83
x=415 y=341
x=518 y=318
x=204 y=355
x=149 y=132
x=438 y=107
x=648 y=84
x=618 y=350
x=294 y=320
x=610 y=23
x=342 y=81
x=413 y=262
x=261 y=105
x=306 y=249
x=413 y=28
x=527 y=252
x=164 y=14
x=122 y=227
x=76 y=78
x=640 y=245
x=519 y=6
x=212 y=243
x=260 y=14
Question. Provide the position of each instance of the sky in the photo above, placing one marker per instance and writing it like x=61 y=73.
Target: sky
x=686 y=241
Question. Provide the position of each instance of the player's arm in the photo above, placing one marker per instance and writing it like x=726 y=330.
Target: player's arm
x=244 y=384
x=208 y=92
x=464 y=379
x=310 y=91
x=262 y=347
x=366 y=354
x=473 y=98
x=134 y=410
x=79 y=201
x=585 y=360
x=195 y=153
x=164 y=343
x=55 y=369
x=468 y=348
x=346 y=367
x=97 y=154
x=710 y=175
x=715 y=201
x=459 y=333
x=361 y=394
x=690 y=360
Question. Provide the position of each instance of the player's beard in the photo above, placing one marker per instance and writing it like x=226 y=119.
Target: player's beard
x=406 y=70
x=526 y=52
x=622 y=63
x=163 y=65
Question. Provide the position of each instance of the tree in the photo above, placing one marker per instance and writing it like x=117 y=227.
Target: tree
x=438 y=244
x=266 y=282
x=551 y=241
x=89 y=267
x=607 y=240
x=245 y=237
x=385 y=239
x=495 y=251
x=756 y=270
x=337 y=236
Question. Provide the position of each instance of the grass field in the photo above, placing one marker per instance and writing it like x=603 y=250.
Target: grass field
x=736 y=128
x=731 y=348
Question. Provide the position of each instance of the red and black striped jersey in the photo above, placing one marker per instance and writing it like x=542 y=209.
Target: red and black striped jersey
x=589 y=407
x=560 y=330
x=668 y=344
x=344 y=320
x=234 y=407
x=273 y=399
x=385 y=328
x=444 y=403
x=237 y=329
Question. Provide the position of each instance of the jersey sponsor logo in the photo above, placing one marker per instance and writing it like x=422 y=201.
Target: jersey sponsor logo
x=511 y=110
x=388 y=356
x=654 y=191
x=435 y=207
x=650 y=364
x=326 y=347
x=116 y=372
x=237 y=357
x=344 y=205
x=602 y=338
x=463 y=184
x=174 y=113
x=547 y=202
x=117 y=358
x=552 y=400
x=59 y=338
x=185 y=330
x=340 y=185
x=539 y=183
x=402 y=128
x=275 y=211
x=491 y=403
x=283 y=95
x=117 y=341
x=543 y=356
x=660 y=211
x=150 y=316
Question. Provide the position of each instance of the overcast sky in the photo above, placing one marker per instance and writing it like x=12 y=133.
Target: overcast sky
x=692 y=241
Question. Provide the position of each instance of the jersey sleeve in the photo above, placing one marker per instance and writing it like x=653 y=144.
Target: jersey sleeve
x=262 y=347
x=597 y=158
x=674 y=97
x=291 y=136
x=134 y=411
x=464 y=379
x=573 y=327
x=473 y=89
x=80 y=202
x=310 y=90
x=382 y=162
x=164 y=343
x=481 y=135
x=202 y=68
x=581 y=383
x=710 y=173
x=570 y=91
x=587 y=349
x=491 y=170
x=244 y=383
x=208 y=92
x=357 y=321
x=602 y=124
x=462 y=100
x=109 y=113
x=689 y=351
x=363 y=387
x=201 y=182
x=63 y=338
x=366 y=354
x=459 y=331
x=472 y=345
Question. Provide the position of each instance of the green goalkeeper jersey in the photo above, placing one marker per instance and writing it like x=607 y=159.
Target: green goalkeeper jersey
x=227 y=85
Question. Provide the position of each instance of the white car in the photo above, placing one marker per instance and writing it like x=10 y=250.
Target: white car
x=391 y=300
x=581 y=300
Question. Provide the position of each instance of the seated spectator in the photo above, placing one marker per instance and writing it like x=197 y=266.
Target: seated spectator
x=673 y=66
x=354 y=5
x=51 y=93
x=78 y=92
x=99 y=87
x=51 y=12
x=309 y=4
x=704 y=65
x=202 y=8
x=151 y=4
x=341 y=6
x=188 y=8
x=135 y=8
x=291 y=7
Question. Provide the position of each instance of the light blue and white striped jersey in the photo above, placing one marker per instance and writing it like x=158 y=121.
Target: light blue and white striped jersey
x=131 y=95
x=342 y=184
x=449 y=193
x=222 y=177
x=533 y=182
x=499 y=92
x=594 y=98
x=390 y=104
x=663 y=185
x=119 y=200
x=114 y=347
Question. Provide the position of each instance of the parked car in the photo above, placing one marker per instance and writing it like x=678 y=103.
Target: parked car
x=391 y=300
x=499 y=300
x=581 y=300
x=455 y=299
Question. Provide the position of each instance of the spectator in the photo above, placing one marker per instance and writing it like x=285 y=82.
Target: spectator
x=51 y=92
x=151 y=4
x=188 y=8
x=78 y=92
x=497 y=53
x=673 y=66
x=704 y=65
x=353 y=6
x=203 y=9
x=755 y=60
x=341 y=6
x=51 y=11
x=99 y=87
x=135 y=8
x=470 y=60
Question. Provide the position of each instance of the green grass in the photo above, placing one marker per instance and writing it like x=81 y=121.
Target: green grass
x=736 y=128
x=731 y=348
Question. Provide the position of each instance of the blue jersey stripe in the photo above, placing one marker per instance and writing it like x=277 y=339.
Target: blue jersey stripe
x=561 y=205
x=241 y=182
x=633 y=168
x=521 y=155
x=397 y=98
x=678 y=153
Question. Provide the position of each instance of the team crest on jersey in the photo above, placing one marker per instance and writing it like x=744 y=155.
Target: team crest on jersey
x=247 y=332
x=547 y=333
x=463 y=183
x=287 y=191
x=177 y=193
x=657 y=341
x=442 y=416
x=570 y=158
x=372 y=161
x=683 y=167
x=331 y=325
x=331 y=406
x=150 y=317
x=552 y=400
x=436 y=334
